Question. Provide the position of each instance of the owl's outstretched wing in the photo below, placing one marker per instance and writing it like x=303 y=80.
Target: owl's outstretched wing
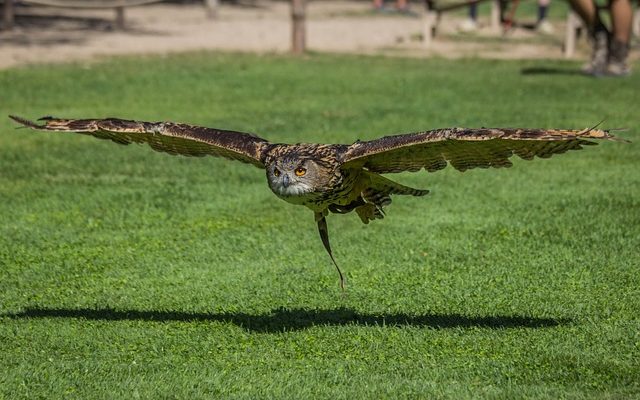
x=464 y=148
x=168 y=137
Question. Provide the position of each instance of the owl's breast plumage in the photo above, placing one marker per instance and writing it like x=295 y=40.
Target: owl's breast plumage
x=342 y=190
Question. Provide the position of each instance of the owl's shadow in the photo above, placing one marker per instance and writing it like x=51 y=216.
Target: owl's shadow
x=283 y=319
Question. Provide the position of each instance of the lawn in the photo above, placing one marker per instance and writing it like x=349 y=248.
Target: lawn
x=126 y=273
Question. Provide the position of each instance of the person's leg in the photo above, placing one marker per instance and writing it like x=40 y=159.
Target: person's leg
x=543 y=6
x=473 y=11
x=470 y=24
x=621 y=20
x=377 y=4
x=401 y=4
x=542 y=25
x=588 y=11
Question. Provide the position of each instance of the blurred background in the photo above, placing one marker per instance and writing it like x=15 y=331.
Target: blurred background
x=58 y=30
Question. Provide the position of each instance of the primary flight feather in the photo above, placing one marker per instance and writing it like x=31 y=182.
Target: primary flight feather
x=339 y=178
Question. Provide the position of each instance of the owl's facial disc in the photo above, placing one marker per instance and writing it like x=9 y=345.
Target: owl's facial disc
x=290 y=177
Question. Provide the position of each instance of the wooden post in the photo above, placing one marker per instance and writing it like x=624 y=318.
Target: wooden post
x=212 y=8
x=573 y=23
x=496 y=14
x=298 y=32
x=8 y=16
x=429 y=24
x=120 y=15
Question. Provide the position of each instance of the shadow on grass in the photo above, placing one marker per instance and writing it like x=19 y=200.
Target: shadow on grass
x=551 y=71
x=283 y=319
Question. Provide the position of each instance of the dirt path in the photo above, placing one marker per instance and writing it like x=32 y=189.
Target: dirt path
x=57 y=35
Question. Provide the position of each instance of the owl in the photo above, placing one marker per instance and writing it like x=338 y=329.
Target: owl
x=339 y=178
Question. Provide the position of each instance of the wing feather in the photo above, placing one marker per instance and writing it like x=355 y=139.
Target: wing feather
x=465 y=148
x=167 y=137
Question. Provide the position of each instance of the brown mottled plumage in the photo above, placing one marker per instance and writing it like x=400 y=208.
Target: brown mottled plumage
x=335 y=177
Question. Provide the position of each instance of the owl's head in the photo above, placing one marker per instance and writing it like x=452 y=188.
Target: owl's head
x=295 y=176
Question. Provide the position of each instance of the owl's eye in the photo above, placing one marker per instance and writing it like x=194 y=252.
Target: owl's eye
x=300 y=171
x=276 y=172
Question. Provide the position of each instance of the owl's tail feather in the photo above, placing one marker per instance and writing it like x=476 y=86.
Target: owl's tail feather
x=324 y=236
x=381 y=184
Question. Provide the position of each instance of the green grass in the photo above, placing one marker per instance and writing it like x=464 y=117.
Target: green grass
x=126 y=273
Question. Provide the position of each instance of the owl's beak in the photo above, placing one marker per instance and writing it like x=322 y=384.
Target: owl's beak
x=285 y=180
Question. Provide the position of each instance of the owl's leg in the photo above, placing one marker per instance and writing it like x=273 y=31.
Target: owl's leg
x=377 y=195
x=324 y=235
x=339 y=209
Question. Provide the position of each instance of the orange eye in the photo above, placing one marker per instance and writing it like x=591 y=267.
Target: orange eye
x=300 y=171
x=276 y=172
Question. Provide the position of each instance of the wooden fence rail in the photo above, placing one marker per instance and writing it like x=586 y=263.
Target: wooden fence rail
x=8 y=12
